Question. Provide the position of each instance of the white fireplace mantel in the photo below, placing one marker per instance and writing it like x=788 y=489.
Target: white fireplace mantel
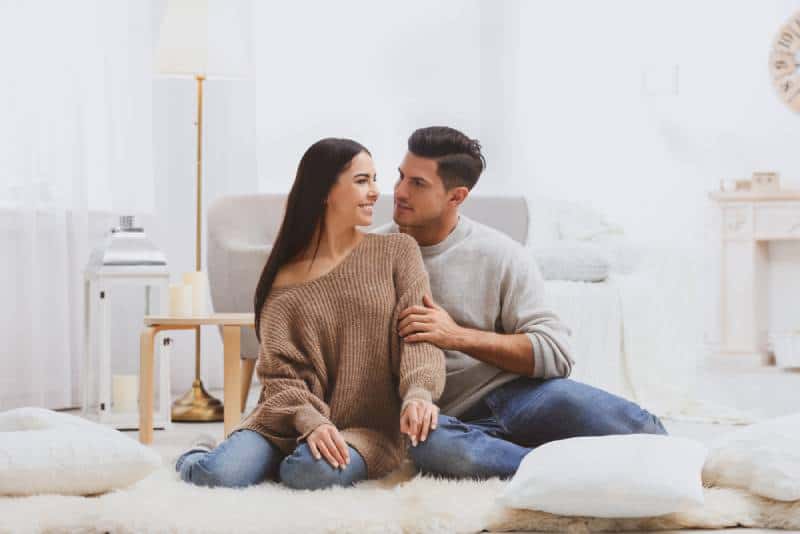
x=749 y=222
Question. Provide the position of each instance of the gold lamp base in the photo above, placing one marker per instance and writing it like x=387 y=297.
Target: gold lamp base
x=197 y=405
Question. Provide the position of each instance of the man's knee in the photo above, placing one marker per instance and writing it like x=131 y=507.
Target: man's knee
x=438 y=443
x=447 y=451
x=432 y=451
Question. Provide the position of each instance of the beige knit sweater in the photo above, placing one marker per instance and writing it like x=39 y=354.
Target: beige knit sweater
x=330 y=353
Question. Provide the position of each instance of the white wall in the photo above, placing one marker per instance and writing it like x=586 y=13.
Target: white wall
x=371 y=71
x=640 y=108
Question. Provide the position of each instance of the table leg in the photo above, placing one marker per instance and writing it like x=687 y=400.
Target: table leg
x=231 y=338
x=146 y=369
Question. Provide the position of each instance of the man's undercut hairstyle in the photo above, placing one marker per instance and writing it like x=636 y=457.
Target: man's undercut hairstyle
x=459 y=159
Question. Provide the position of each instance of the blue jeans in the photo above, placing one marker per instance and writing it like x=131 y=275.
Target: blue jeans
x=492 y=437
x=248 y=458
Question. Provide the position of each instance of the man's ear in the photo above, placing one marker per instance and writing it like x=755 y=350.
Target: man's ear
x=457 y=195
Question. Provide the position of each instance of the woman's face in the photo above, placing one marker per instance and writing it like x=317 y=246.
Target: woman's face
x=351 y=199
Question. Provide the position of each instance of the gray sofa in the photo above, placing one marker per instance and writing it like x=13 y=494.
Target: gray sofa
x=242 y=228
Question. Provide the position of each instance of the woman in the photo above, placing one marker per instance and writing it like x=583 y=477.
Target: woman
x=337 y=382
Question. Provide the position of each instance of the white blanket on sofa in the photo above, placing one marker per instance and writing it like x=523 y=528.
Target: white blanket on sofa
x=593 y=313
x=640 y=335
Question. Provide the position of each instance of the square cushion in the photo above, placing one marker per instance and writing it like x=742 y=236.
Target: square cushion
x=572 y=260
x=763 y=458
x=637 y=475
x=42 y=451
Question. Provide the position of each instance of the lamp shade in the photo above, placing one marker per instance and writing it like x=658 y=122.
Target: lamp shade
x=202 y=37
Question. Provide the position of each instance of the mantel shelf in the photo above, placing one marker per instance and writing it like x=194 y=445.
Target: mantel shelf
x=750 y=196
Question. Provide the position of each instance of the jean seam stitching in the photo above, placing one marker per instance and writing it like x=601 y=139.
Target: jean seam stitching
x=490 y=404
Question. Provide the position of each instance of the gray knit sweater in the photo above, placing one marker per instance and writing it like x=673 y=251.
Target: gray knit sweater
x=486 y=281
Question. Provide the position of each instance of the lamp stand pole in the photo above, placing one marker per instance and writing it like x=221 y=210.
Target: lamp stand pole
x=197 y=404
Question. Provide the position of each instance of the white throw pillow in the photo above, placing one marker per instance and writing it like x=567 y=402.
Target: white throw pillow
x=583 y=223
x=574 y=261
x=763 y=458
x=42 y=451
x=635 y=475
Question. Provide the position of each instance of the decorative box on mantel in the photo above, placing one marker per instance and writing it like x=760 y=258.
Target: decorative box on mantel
x=126 y=257
x=749 y=221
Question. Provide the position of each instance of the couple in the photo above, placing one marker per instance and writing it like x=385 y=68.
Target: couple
x=362 y=333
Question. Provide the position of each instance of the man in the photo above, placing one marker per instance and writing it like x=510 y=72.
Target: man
x=507 y=356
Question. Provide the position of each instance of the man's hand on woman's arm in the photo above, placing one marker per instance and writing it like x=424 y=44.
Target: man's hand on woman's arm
x=326 y=441
x=432 y=323
x=419 y=417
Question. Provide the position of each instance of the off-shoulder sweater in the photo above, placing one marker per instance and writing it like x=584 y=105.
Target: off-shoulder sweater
x=330 y=353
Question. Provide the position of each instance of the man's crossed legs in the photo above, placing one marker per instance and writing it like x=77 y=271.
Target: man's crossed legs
x=492 y=437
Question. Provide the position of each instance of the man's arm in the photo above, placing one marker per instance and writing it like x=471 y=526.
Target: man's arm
x=537 y=344
x=432 y=323
x=509 y=352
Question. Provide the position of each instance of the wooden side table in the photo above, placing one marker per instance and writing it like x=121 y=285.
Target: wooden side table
x=231 y=324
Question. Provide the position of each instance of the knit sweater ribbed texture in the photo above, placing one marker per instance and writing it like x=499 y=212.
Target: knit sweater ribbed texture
x=330 y=353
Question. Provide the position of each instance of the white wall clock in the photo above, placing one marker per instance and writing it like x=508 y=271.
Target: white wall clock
x=784 y=62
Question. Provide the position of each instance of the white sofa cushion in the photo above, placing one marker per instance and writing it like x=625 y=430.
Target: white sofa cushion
x=572 y=260
x=637 y=475
x=42 y=451
x=763 y=458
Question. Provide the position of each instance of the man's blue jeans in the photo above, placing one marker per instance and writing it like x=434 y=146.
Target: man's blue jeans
x=492 y=437
x=248 y=458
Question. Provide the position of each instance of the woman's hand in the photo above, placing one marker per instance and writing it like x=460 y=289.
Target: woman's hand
x=419 y=417
x=327 y=440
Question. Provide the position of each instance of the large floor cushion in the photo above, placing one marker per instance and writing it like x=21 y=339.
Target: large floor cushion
x=763 y=458
x=637 y=475
x=42 y=451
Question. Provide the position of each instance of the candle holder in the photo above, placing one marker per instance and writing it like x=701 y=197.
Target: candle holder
x=125 y=258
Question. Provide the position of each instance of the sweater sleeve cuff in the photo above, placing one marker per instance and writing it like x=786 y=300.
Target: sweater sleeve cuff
x=306 y=420
x=416 y=393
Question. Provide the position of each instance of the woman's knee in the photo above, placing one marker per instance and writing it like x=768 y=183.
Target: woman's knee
x=300 y=470
x=204 y=471
x=244 y=459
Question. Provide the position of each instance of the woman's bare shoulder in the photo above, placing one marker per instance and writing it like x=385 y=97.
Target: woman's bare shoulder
x=295 y=272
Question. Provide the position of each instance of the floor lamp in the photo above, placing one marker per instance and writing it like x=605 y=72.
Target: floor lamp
x=194 y=45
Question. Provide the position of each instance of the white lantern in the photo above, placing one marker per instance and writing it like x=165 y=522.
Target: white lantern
x=125 y=258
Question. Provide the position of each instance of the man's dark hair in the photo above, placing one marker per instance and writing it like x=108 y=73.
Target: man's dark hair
x=459 y=158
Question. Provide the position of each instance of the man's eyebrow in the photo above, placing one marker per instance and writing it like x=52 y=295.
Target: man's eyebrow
x=413 y=177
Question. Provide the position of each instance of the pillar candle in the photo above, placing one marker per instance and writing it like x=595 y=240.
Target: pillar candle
x=199 y=283
x=124 y=393
x=180 y=300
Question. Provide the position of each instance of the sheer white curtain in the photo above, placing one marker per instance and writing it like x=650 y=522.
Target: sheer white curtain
x=75 y=147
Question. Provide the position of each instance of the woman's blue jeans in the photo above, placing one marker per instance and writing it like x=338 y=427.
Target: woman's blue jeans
x=248 y=458
x=491 y=438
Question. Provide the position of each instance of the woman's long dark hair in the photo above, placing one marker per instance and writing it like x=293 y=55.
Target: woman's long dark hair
x=317 y=173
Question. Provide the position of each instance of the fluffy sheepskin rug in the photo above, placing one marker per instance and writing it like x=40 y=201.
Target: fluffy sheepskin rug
x=401 y=503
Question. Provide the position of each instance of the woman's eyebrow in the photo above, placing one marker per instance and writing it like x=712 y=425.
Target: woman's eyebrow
x=364 y=174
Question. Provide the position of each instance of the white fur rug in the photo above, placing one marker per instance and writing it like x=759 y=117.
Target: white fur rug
x=401 y=503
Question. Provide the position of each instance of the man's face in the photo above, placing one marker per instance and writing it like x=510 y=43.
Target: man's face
x=419 y=194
